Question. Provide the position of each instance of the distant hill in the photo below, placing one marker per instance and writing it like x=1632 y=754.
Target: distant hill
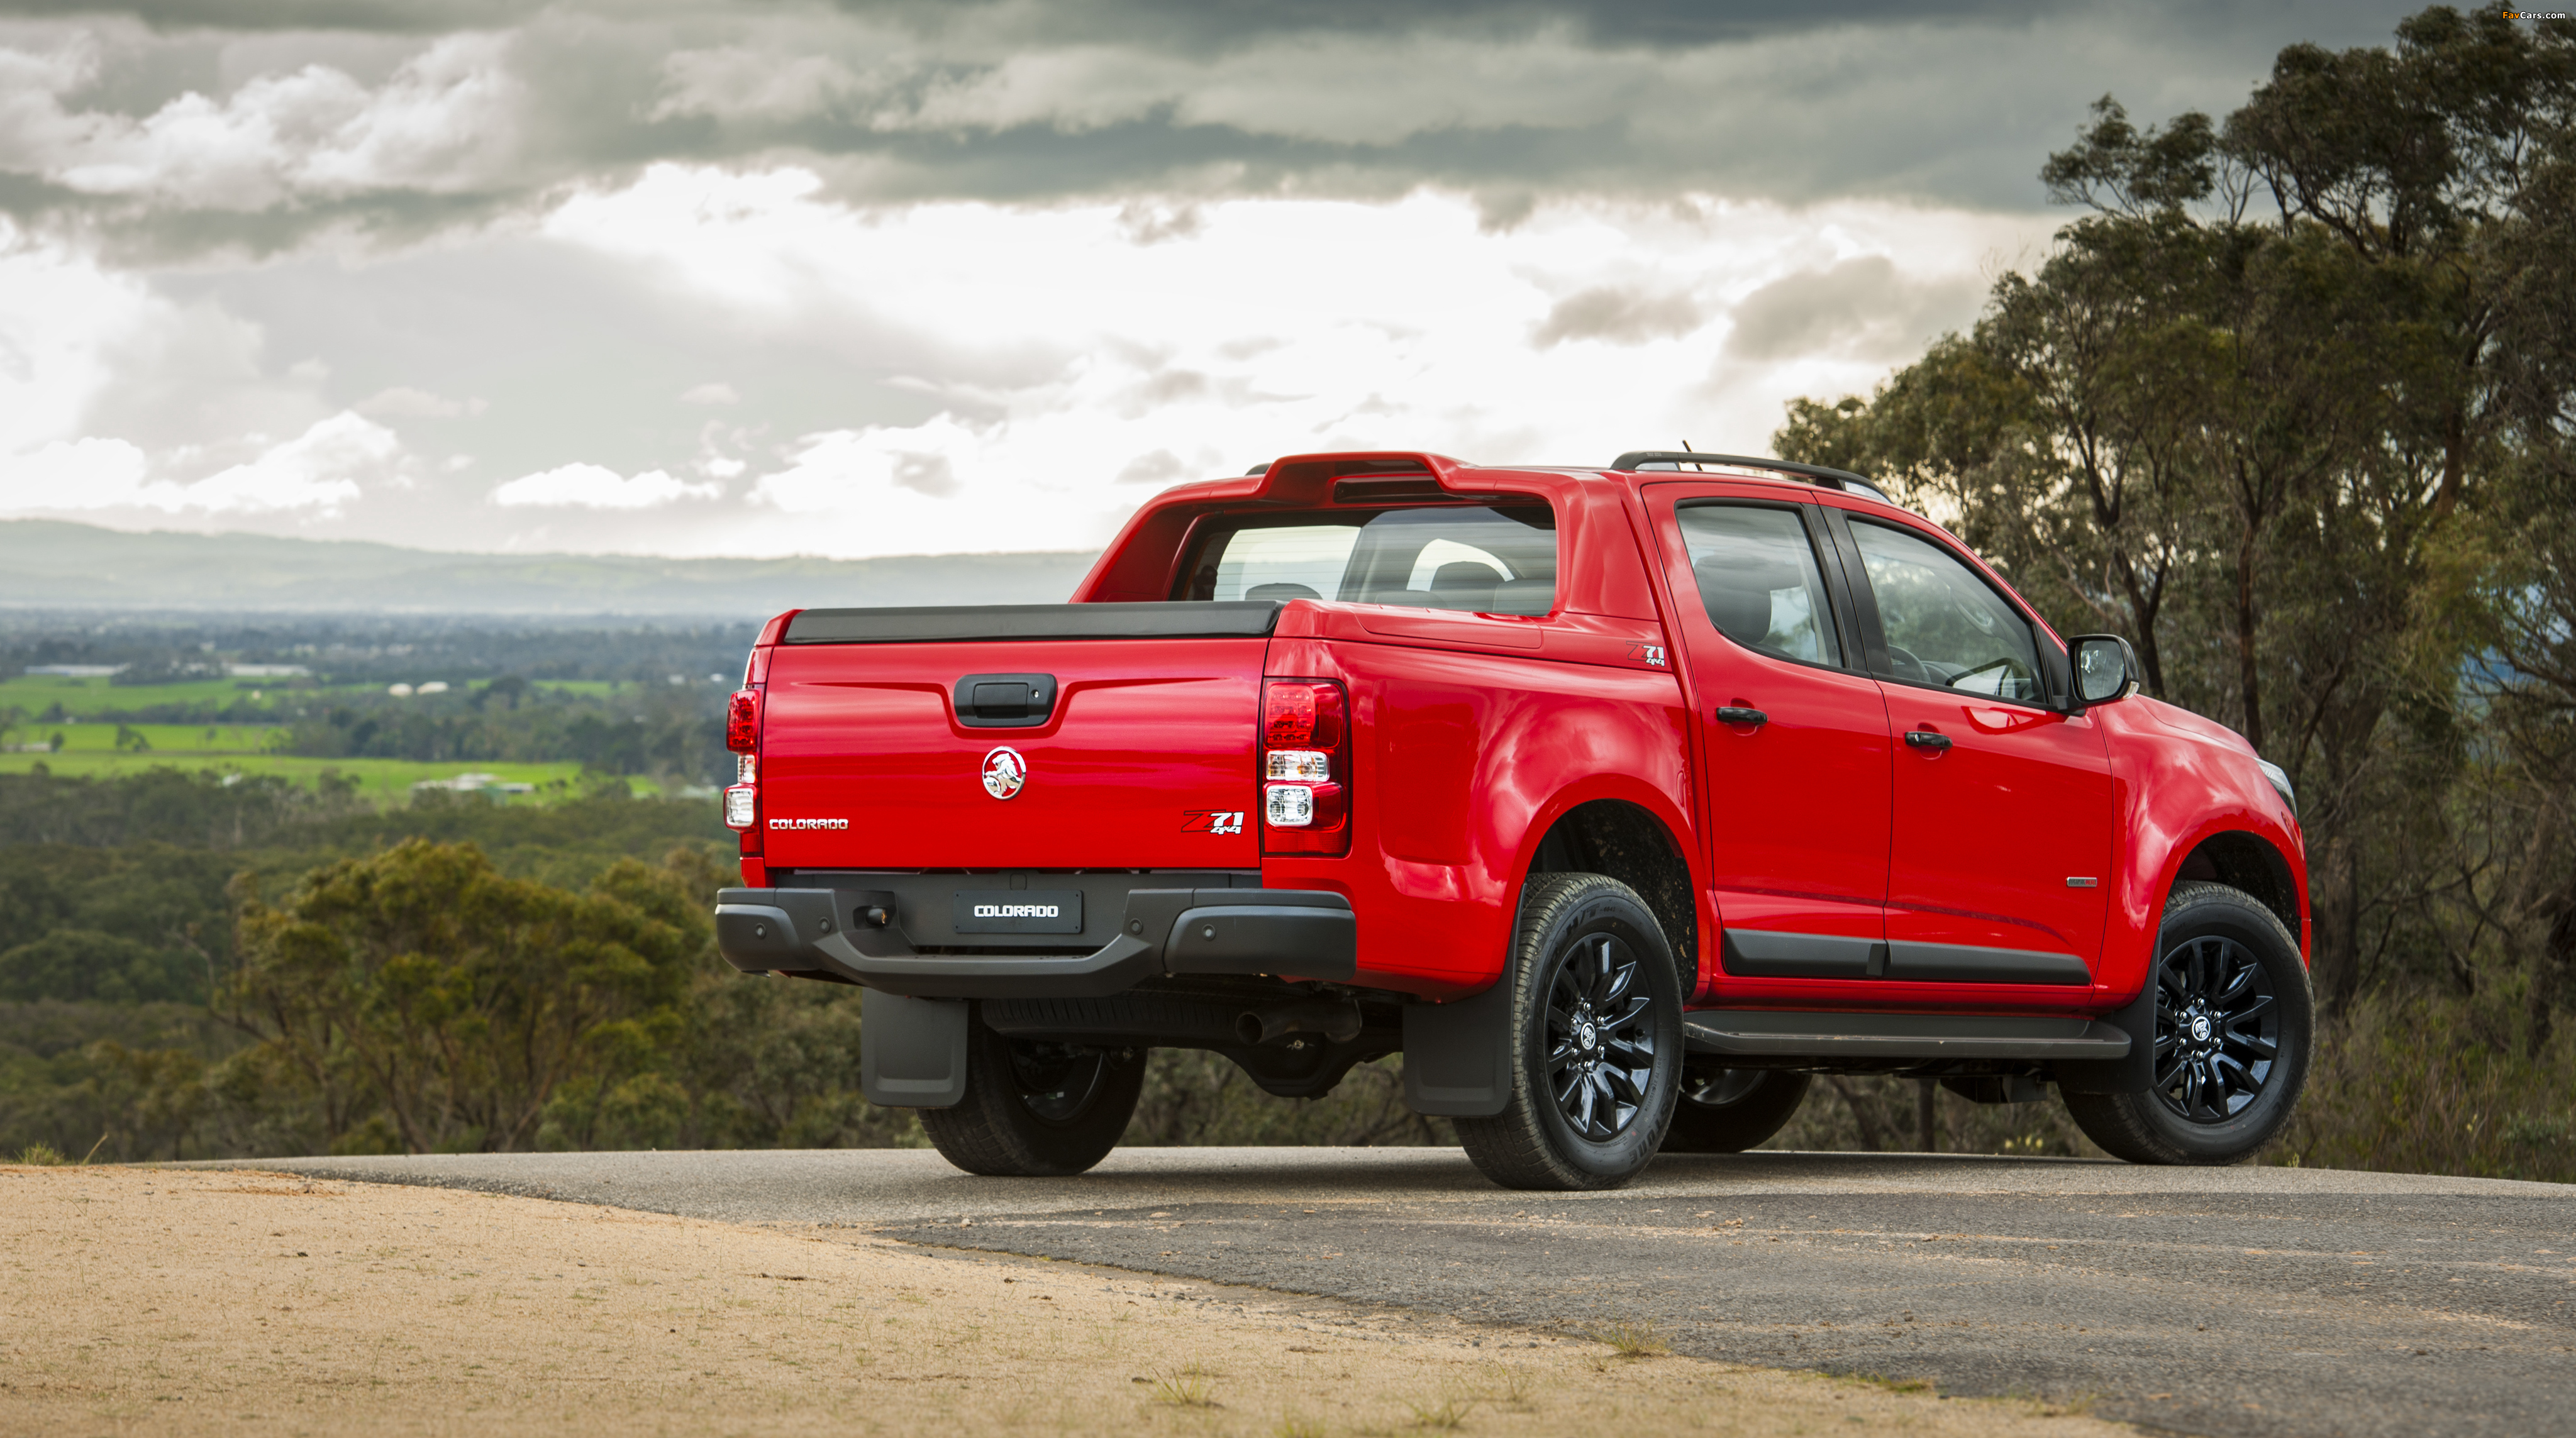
x=48 y=564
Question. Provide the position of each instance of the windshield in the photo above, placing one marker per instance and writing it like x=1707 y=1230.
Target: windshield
x=1473 y=557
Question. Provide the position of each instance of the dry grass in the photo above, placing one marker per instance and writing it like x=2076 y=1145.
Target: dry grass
x=1193 y=1387
x=1445 y=1415
x=1631 y=1340
x=203 y=1302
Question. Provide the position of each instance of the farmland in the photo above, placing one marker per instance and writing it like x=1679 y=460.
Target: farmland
x=70 y=727
x=87 y=698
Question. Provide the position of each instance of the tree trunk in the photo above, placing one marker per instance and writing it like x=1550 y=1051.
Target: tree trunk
x=2346 y=983
x=2557 y=965
x=2143 y=606
x=2248 y=671
x=2455 y=464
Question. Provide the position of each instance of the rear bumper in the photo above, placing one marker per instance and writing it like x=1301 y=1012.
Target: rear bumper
x=829 y=933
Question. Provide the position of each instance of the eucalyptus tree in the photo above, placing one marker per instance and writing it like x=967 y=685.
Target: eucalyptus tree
x=2247 y=406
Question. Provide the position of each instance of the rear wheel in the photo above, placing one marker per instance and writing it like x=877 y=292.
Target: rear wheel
x=1731 y=1110
x=1034 y=1108
x=1594 y=1028
x=2233 y=1022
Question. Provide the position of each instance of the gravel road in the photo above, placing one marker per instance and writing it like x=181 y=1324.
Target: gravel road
x=2248 y=1301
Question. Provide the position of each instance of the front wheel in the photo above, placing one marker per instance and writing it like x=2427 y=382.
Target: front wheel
x=1035 y=1108
x=2233 y=1023
x=1594 y=1026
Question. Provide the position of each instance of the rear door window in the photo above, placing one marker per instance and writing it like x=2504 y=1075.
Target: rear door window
x=1756 y=571
x=1484 y=559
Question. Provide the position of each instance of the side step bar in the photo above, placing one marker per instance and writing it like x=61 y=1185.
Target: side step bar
x=1777 y=1034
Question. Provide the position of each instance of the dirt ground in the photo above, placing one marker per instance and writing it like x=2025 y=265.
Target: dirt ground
x=136 y=1300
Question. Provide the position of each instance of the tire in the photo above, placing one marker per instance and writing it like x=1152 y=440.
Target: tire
x=1730 y=1110
x=1594 y=1073
x=1036 y=1109
x=2230 y=987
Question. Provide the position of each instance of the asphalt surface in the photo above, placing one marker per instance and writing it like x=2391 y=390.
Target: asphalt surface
x=2250 y=1301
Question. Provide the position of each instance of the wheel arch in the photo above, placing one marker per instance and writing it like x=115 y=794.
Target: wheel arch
x=1622 y=839
x=2251 y=863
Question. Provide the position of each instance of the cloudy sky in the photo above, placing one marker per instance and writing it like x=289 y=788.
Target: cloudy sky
x=922 y=276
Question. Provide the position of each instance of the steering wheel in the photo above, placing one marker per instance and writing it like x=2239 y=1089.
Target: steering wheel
x=1906 y=666
x=2014 y=671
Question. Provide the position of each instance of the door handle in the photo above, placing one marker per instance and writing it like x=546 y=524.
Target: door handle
x=1926 y=739
x=1739 y=714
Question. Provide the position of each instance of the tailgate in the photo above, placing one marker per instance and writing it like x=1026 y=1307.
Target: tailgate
x=1144 y=758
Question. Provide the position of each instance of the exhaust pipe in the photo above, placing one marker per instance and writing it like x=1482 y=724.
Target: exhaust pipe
x=1333 y=1018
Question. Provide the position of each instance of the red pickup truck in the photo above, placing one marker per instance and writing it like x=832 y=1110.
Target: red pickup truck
x=1619 y=800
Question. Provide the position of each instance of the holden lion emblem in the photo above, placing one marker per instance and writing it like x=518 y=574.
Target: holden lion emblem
x=1004 y=772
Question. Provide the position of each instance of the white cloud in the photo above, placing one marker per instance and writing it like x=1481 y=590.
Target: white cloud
x=318 y=470
x=712 y=392
x=733 y=82
x=62 y=317
x=1066 y=369
x=72 y=474
x=405 y=402
x=1382 y=89
x=77 y=340
x=442 y=123
x=591 y=486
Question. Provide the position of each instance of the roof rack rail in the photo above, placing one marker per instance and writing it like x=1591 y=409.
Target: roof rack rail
x=1813 y=473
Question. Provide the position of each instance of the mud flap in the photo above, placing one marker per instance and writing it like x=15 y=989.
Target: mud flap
x=912 y=1052
x=1458 y=1056
x=2135 y=1073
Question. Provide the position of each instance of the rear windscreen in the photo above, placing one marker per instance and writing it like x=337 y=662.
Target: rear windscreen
x=1492 y=560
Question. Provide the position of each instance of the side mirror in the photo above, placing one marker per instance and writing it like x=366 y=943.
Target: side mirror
x=2106 y=669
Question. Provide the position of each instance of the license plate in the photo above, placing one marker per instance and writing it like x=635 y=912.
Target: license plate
x=1018 y=911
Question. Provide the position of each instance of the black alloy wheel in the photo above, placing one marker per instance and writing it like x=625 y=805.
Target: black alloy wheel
x=1036 y=1107
x=2218 y=1029
x=1720 y=1088
x=1591 y=1025
x=2233 y=1023
x=1600 y=1049
x=1058 y=1082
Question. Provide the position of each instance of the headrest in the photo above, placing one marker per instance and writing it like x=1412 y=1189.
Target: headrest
x=1465 y=579
x=1737 y=592
x=1524 y=596
x=1280 y=592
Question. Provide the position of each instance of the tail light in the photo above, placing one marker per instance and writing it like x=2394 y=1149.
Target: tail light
x=742 y=736
x=1305 y=767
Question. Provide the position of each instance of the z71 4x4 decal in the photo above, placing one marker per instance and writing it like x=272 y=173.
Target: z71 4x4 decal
x=1212 y=821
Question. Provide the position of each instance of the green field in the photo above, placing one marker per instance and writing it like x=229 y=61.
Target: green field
x=82 y=698
x=92 y=747
x=192 y=740
x=380 y=781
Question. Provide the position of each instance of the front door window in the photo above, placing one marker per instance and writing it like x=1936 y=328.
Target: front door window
x=1944 y=625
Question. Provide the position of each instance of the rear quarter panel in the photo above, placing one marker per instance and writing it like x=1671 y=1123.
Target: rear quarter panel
x=2177 y=780
x=1462 y=758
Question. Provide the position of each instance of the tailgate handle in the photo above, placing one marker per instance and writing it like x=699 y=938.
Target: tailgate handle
x=1005 y=701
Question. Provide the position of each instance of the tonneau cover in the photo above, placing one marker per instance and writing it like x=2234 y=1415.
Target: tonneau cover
x=972 y=622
